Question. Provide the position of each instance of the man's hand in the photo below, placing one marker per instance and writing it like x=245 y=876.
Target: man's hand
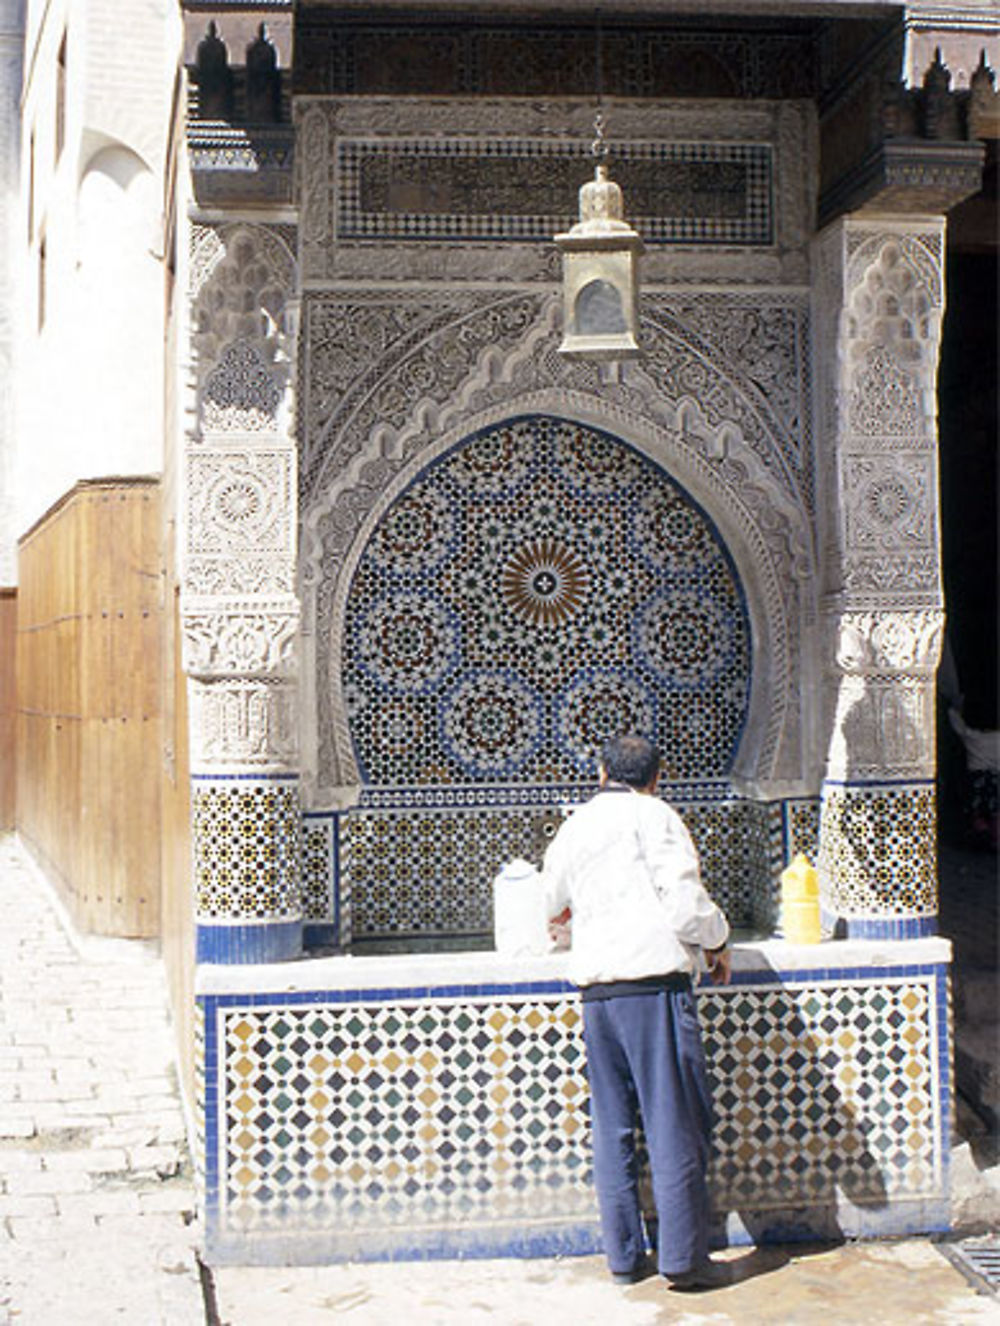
x=720 y=965
x=559 y=930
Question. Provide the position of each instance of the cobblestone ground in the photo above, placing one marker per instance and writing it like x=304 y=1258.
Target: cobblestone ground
x=96 y=1194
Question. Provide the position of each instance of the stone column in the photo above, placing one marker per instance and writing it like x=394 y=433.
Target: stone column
x=240 y=612
x=879 y=289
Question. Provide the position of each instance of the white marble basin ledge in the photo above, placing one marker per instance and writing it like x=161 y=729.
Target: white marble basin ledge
x=435 y=971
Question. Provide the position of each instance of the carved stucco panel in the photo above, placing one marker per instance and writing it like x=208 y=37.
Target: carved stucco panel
x=883 y=728
x=239 y=608
x=890 y=504
x=241 y=500
x=877 y=317
x=232 y=638
x=883 y=692
x=245 y=722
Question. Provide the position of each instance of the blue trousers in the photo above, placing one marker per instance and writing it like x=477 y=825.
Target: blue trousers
x=644 y=1055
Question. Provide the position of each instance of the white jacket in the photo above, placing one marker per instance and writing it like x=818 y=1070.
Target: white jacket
x=625 y=863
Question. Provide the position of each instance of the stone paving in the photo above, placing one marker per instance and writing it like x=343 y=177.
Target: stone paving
x=96 y=1196
x=97 y=1206
x=905 y=1283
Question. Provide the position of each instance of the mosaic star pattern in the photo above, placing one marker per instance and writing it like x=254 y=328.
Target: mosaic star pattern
x=430 y=873
x=351 y=1113
x=246 y=845
x=540 y=588
x=429 y=867
x=877 y=849
x=317 y=868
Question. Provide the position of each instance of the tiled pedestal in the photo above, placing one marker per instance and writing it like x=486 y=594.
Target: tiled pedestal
x=436 y=1105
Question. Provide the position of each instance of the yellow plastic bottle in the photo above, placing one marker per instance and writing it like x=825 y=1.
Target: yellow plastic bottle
x=800 y=902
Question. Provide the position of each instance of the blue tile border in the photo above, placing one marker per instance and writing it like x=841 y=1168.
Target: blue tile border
x=271 y=941
x=879 y=782
x=901 y=927
x=382 y=994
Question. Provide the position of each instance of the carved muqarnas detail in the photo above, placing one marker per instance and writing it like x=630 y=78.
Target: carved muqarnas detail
x=892 y=329
x=240 y=393
x=242 y=278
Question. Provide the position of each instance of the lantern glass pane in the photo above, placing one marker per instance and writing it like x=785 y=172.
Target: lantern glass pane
x=598 y=310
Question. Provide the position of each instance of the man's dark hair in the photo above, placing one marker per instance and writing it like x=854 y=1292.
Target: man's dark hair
x=631 y=760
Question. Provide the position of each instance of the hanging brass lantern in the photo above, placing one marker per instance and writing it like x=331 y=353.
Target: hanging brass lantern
x=600 y=276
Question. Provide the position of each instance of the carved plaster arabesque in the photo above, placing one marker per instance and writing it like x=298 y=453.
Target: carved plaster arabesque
x=889 y=642
x=884 y=720
x=226 y=638
x=241 y=500
x=525 y=377
x=213 y=575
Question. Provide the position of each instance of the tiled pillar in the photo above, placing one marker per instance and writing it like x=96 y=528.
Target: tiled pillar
x=240 y=612
x=879 y=301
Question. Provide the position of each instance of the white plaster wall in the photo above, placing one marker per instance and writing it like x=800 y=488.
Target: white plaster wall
x=90 y=378
x=11 y=45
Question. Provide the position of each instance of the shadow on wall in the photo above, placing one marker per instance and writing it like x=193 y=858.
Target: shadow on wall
x=811 y=1112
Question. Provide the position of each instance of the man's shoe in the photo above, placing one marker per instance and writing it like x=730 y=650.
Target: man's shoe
x=641 y=1272
x=708 y=1275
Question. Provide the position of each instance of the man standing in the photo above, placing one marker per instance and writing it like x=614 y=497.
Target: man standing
x=625 y=865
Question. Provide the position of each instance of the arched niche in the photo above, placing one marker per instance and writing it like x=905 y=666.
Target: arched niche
x=116 y=207
x=538 y=588
x=755 y=536
x=118 y=278
x=461 y=690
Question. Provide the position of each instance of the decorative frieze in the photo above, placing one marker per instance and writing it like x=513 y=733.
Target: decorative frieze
x=723 y=191
x=878 y=643
x=256 y=637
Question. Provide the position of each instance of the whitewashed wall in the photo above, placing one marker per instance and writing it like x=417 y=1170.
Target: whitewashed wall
x=90 y=375
x=11 y=43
